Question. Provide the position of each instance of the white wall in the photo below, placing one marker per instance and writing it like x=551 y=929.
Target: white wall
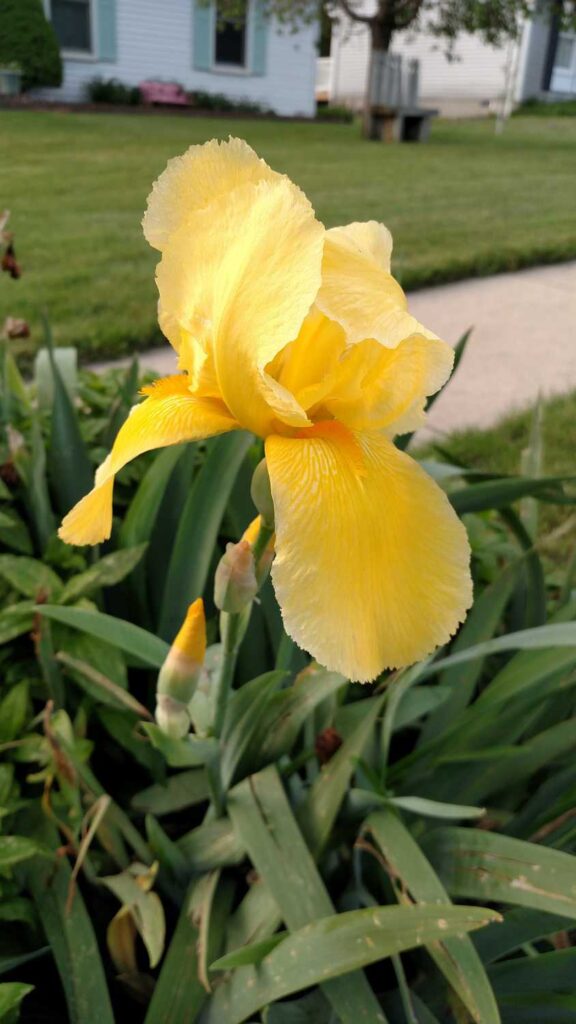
x=474 y=80
x=155 y=41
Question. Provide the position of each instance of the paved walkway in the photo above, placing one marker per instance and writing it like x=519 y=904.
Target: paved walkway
x=523 y=342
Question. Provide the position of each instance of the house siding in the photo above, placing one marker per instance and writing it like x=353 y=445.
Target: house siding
x=155 y=40
x=535 y=56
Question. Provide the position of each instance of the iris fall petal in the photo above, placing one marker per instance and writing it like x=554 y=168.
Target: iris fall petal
x=372 y=565
x=169 y=415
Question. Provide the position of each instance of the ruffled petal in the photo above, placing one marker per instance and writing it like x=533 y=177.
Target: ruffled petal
x=169 y=415
x=197 y=178
x=367 y=237
x=307 y=366
x=391 y=384
x=238 y=280
x=366 y=386
x=358 y=290
x=372 y=563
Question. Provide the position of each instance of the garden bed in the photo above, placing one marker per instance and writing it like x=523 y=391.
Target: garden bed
x=350 y=809
x=31 y=103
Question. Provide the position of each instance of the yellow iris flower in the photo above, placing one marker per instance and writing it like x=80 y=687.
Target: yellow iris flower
x=302 y=336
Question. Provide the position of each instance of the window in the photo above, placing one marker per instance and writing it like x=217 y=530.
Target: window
x=72 y=24
x=564 y=52
x=230 y=42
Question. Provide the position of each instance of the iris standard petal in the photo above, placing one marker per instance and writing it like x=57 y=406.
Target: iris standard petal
x=358 y=290
x=367 y=237
x=391 y=384
x=169 y=415
x=366 y=386
x=195 y=179
x=239 y=279
x=372 y=563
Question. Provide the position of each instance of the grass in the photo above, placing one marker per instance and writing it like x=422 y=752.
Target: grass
x=543 y=108
x=499 y=449
x=467 y=203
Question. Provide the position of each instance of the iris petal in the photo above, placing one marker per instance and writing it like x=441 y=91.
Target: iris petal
x=238 y=279
x=197 y=178
x=390 y=383
x=372 y=565
x=169 y=415
x=358 y=290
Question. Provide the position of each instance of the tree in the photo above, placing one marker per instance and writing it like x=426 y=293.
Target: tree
x=494 y=20
x=28 y=40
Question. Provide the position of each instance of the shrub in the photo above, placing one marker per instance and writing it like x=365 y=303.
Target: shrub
x=544 y=108
x=220 y=102
x=340 y=114
x=111 y=90
x=28 y=39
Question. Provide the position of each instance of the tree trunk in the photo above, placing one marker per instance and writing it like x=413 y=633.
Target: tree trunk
x=381 y=32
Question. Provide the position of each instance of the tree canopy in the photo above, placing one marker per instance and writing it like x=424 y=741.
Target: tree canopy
x=494 y=20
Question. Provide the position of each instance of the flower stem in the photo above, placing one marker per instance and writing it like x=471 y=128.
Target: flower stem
x=233 y=626
x=232 y=629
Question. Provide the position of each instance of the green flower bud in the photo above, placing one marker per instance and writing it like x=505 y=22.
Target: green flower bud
x=172 y=716
x=235 y=584
x=262 y=495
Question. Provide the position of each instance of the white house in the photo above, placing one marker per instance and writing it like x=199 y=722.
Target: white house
x=183 y=41
x=542 y=62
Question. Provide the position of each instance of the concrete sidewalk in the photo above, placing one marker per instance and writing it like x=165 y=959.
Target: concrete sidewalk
x=523 y=343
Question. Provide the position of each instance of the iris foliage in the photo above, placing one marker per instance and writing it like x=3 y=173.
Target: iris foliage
x=369 y=838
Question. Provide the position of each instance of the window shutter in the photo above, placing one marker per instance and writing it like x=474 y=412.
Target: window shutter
x=202 y=36
x=259 y=23
x=106 y=28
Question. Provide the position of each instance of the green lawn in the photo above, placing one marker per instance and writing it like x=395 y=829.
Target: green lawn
x=467 y=203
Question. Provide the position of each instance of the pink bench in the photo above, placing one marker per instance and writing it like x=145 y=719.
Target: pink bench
x=169 y=93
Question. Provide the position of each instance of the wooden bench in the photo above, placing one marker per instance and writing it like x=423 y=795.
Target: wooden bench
x=399 y=124
x=168 y=93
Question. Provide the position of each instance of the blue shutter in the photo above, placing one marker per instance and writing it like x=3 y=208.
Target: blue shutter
x=259 y=23
x=106 y=29
x=202 y=36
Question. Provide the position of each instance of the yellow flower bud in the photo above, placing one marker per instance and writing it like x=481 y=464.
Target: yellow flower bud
x=235 y=584
x=266 y=557
x=189 y=646
x=180 y=672
x=251 y=532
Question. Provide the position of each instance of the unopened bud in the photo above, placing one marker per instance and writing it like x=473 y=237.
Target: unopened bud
x=235 y=584
x=262 y=495
x=251 y=532
x=172 y=716
x=265 y=556
x=180 y=672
